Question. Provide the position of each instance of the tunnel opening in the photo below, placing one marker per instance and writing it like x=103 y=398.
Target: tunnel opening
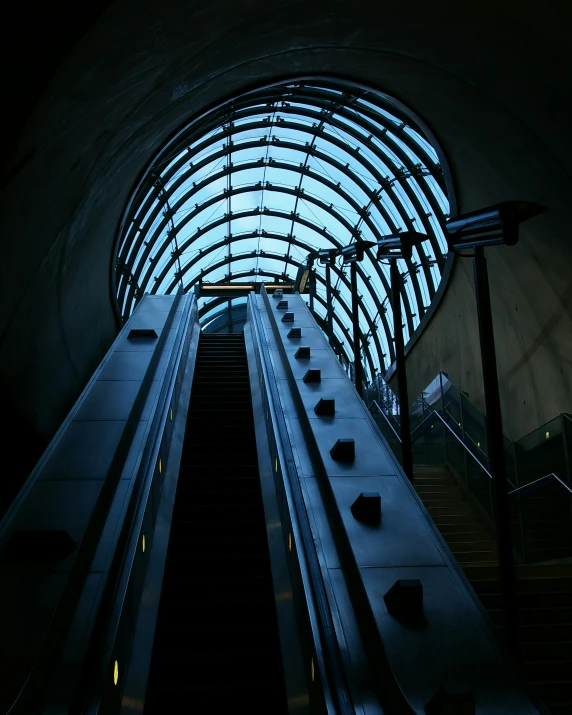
x=244 y=192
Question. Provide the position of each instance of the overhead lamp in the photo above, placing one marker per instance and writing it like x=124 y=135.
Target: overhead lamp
x=491 y=226
x=327 y=256
x=355 y=251
x=399 y=245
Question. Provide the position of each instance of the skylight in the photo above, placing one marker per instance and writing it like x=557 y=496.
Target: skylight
x=244 y=192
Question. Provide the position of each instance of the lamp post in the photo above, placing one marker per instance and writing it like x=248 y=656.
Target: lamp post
x=495 y=225
x=327 y=258
x=392 y=248
x=352 y=254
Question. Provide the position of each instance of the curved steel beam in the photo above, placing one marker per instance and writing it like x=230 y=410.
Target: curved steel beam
x=286 y=216
x=338 y=320
x=289 y=216
x=332 y=113
x=307 y=150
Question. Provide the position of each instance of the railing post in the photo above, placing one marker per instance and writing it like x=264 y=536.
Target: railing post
x=358 y=368
x=566 y=425
x=463 y=437
x=329 y=309
x=497 y=466
x=401 y=375
x=312 y=288
x=443 y=414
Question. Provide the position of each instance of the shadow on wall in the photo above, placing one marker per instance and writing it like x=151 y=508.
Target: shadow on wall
x=20 y=447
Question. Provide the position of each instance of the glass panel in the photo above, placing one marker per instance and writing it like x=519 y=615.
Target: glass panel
x=333 y=144
x=542 y=452
x=386 y=430
x=542 y=521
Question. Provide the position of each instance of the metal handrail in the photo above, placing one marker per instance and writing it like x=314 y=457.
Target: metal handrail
x=317 y=601
x=385 y=418
x=460 y=441
x=546 y=476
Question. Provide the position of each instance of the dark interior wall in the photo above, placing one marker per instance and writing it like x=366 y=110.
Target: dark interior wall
x=490 y=79
x=495 y=156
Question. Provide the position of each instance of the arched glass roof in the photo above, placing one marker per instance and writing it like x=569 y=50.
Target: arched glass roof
x=246 y=191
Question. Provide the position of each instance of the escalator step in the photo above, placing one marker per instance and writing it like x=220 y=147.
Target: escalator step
x=216 y=644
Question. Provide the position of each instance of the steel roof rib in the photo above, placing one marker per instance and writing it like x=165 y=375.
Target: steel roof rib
x=353 y=131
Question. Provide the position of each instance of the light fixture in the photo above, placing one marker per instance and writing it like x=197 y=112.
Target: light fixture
x=290 y=541
x=491 y=226
x=160 y=464
x=547 y=435
x=171 y=413
x=143 y=543
x=355 y=251
x=327 y=256
x=115 y=673
x=398 y=245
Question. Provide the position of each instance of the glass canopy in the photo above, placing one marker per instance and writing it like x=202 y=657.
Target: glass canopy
x=246 y=191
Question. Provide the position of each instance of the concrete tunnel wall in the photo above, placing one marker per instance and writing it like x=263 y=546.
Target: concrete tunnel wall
x=492 y=82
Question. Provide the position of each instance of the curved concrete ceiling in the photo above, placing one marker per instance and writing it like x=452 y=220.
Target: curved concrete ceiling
x=490 y=79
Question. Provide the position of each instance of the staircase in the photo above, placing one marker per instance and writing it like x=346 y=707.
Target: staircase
x=544 y=591
x=216 y=646
x=465 y=530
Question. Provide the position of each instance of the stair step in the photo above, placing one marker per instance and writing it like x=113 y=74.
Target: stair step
x=216 y=641
x=457 y=546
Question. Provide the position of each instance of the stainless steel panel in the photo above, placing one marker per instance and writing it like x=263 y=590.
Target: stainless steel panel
x=112 y=527
x=370 y=458
x=125 y=366
x=329 y=388
x=152 y=398
x=303 y=463
x=455 y=648
x=403 y=538
x=85 y=450
x=361 y=677
x=137 y=445
x=326 y=548
x=320 y=360
x=109 y=400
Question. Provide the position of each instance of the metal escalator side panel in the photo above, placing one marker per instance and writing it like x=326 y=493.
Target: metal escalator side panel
x=453 y=645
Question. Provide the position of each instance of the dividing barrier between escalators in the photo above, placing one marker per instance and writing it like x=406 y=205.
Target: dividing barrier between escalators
x=327 y=685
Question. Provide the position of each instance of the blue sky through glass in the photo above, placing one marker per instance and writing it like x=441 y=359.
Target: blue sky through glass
x=297 y=168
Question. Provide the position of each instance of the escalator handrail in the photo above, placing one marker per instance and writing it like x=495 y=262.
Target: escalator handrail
x=541 y=479
x=299 y=518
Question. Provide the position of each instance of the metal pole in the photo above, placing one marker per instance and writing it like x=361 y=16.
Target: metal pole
x=407 y=459
x=330 y=316
x=358 y=369
x=496 y=452
x=311 y=288
x=443 y=414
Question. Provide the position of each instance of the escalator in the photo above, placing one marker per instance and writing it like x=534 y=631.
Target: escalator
x=216 y=645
